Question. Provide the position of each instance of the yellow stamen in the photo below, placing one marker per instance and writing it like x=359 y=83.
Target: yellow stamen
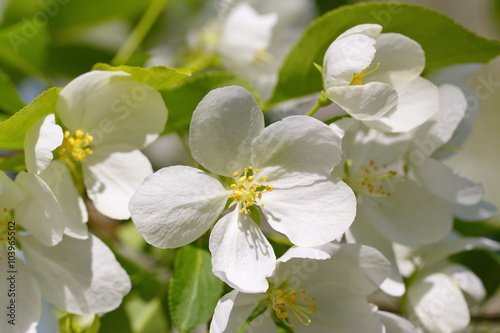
x=75 y=148
x=247 y=191
x=357 y=78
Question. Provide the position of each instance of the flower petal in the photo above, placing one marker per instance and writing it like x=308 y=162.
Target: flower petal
x=10 y=194
x=41 y=139
x=322 y=252
x=370 y=30
x=417 y=102
x=481 y=211
x=398 y=56
x=176 y=205
x=369 y=101
x=232 y=310
x=113 y=108
x=439 y=304
x=345 y=57
x=241 y=255
x=223 y=127
x=448 y=184
x=363 y=232
x=79 y=276
x=311 y=215
x=58 y=178
x=111 y=178
x=39 y=213
x=396 y=324
x=408 y=215
x=295 y=147
x=19 y=286
x=466 y=280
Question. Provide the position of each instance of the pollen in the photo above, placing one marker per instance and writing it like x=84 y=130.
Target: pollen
x=75 y=148
x=247 y=191
x=291 y=304
x=369 y=179
x=357 y=78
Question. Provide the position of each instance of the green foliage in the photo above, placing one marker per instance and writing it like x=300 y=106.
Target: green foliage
x=181 y=101
x=159 y=77
x=146 y=316
x=13 y=130
x=444 y=42
x=70 y=323
x=194 y=290
x=10 y=101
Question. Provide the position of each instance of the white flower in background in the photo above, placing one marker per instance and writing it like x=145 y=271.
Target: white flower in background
x=309 y=292
x=282 y=171
x=375 y=77
x=440 y=293
x=79 y=276
x=107 y=118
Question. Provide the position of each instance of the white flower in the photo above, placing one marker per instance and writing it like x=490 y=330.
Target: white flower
x=107 y=117
x=310 y=292
x=282 y=171
x=440 y=293
x=376 y=78
x=79 y=276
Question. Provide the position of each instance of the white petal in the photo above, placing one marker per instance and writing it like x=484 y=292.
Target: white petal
x=345 y=57
x=322 y=252
x=409 y=214
x=396 y=324
x=454 y=244
x=10 y=194
x=481 y=211
x=399 y=56
x=223 y=127
x=241 y=255
x=439 y=304
x=41 y=139
x=363 y=232
x=232 y=310
x=244 y=33
x=113 y=108
x=295 y=147
x=58 y=178
x=447 y=183
x=39 y=213
x=368 y=101
x=311 y=215
x=418 y=101
x=439 y=129
x=79 y=276
x=176 y=205
x=466 y=280
x=371 y=30
x=18 y=285
x=111 y=178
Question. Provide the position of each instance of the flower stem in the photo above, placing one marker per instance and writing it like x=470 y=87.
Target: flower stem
x=322 y=101
x=140 y=31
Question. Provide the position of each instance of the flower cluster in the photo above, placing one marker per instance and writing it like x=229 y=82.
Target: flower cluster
x=320 y=224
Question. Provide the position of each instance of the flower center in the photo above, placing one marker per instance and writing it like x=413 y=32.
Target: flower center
x=5 y=218
x=357 y=79
x=369 y=179
x=262 y=56
x=247 y=190
x=289 y=303
x=75 y=147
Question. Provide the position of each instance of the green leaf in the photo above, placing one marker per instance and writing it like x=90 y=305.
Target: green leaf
x=71 y=323
x=444 y=42
x=159 y=77
x=13 y=130
x=194 y=290
x=146 y=316
x=23 y=47
x=182 y=100
x=10 y=101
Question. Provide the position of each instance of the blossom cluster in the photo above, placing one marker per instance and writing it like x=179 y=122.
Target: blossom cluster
x=343 y=224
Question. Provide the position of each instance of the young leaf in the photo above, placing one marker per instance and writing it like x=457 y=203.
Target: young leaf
x=159 y=77
x=13 y=130
x=444 y=42
x=194 y=290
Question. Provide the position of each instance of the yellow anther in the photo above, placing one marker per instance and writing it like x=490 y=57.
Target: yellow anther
x=255 y=170
x=246 y=190
x=75 y=148
x=242 y=210
x=261 y=204
x=242 y=179
x=357 y=78
x=264 y=178
x=256 y=184
x=251 y=178
x=236 y=174
x=269 y=188
x=233 y=186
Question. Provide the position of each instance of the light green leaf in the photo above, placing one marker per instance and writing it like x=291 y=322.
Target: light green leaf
x=13 y=130
x=10 y=101
x=194 y=290
x=181 y=101
x=444 y=42
x=159 y=77
x=146 y=316
x=23 y=47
